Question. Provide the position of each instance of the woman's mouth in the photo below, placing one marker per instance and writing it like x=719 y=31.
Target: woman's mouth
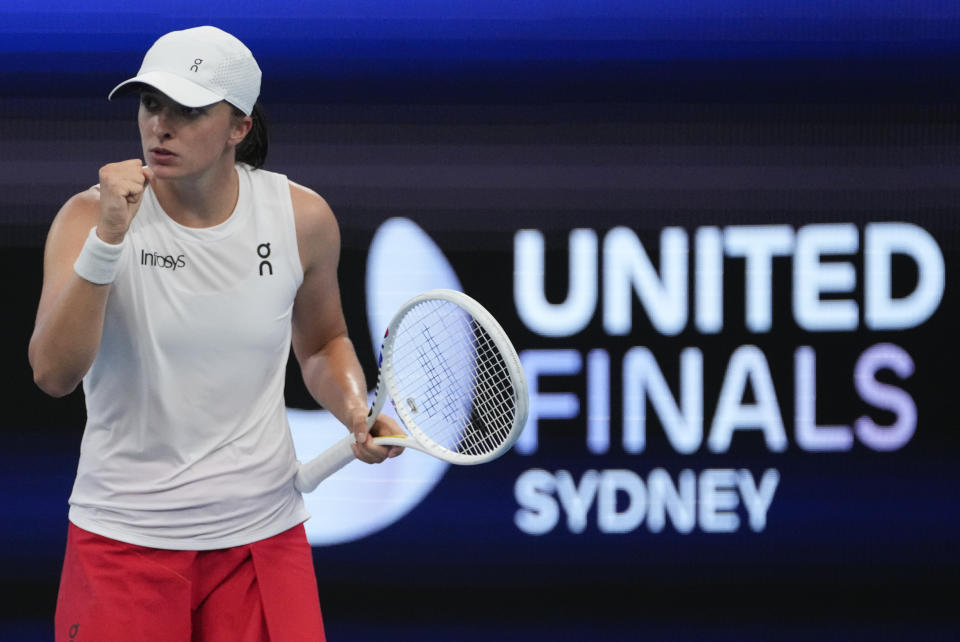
x=161 y=154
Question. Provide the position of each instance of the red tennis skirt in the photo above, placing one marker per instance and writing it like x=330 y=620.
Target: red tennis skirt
x=111 y=591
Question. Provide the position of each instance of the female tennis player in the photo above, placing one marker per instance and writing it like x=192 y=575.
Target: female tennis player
x=173 y=290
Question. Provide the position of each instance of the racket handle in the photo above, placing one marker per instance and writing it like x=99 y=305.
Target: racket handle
x=325 y=464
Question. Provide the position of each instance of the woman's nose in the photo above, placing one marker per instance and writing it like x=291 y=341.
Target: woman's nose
x=162 y=124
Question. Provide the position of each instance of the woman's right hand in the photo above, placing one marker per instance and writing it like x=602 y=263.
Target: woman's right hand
x=122 y=186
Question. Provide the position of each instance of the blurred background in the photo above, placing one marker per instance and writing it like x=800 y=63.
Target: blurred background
x=722 y=236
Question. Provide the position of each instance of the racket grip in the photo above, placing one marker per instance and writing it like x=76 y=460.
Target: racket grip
x=325 y=464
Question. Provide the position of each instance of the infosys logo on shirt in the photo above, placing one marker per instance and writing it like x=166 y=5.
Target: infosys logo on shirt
x=155 y=259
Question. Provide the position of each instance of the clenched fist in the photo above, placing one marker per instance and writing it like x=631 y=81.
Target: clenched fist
x=121 y=189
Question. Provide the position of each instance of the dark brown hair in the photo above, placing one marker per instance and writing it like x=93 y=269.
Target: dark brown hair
x=252 y=150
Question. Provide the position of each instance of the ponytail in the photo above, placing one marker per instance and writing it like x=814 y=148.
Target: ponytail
x=252 y=150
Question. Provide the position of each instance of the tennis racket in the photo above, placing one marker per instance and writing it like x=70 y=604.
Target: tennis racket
x=454 y=379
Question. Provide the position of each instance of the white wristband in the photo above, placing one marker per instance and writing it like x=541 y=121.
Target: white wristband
x=99 y=261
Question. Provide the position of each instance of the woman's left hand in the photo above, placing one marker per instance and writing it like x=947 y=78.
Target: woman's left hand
x=365 y=449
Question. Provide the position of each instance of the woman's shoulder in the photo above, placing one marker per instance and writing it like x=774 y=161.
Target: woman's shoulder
x=311 y=211
x=318 y=234
x=305 y=198
x=81 y=211
x=87 y=200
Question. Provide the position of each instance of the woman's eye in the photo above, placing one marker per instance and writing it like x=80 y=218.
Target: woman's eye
x=149 y=102
x=192 y=112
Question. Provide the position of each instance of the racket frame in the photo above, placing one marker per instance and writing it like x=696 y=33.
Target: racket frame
x=418 y=439
x=340 y=454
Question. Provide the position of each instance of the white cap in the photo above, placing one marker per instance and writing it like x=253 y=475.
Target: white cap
x=200 y=66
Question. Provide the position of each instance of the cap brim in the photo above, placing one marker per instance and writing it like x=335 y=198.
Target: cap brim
x=183 y=91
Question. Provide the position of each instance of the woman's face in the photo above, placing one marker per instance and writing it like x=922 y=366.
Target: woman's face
x=181 y=141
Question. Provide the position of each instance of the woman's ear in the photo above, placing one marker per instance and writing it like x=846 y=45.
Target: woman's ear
x=241 y=127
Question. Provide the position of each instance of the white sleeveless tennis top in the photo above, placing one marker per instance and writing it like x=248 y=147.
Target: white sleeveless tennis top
x=187 y=444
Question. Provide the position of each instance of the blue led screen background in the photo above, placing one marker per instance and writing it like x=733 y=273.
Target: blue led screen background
x=774 y=142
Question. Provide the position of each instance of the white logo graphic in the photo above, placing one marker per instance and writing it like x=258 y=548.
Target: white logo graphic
x=361 y=499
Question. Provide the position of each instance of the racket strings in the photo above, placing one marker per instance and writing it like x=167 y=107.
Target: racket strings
x=494 y=403
x=452 y=380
